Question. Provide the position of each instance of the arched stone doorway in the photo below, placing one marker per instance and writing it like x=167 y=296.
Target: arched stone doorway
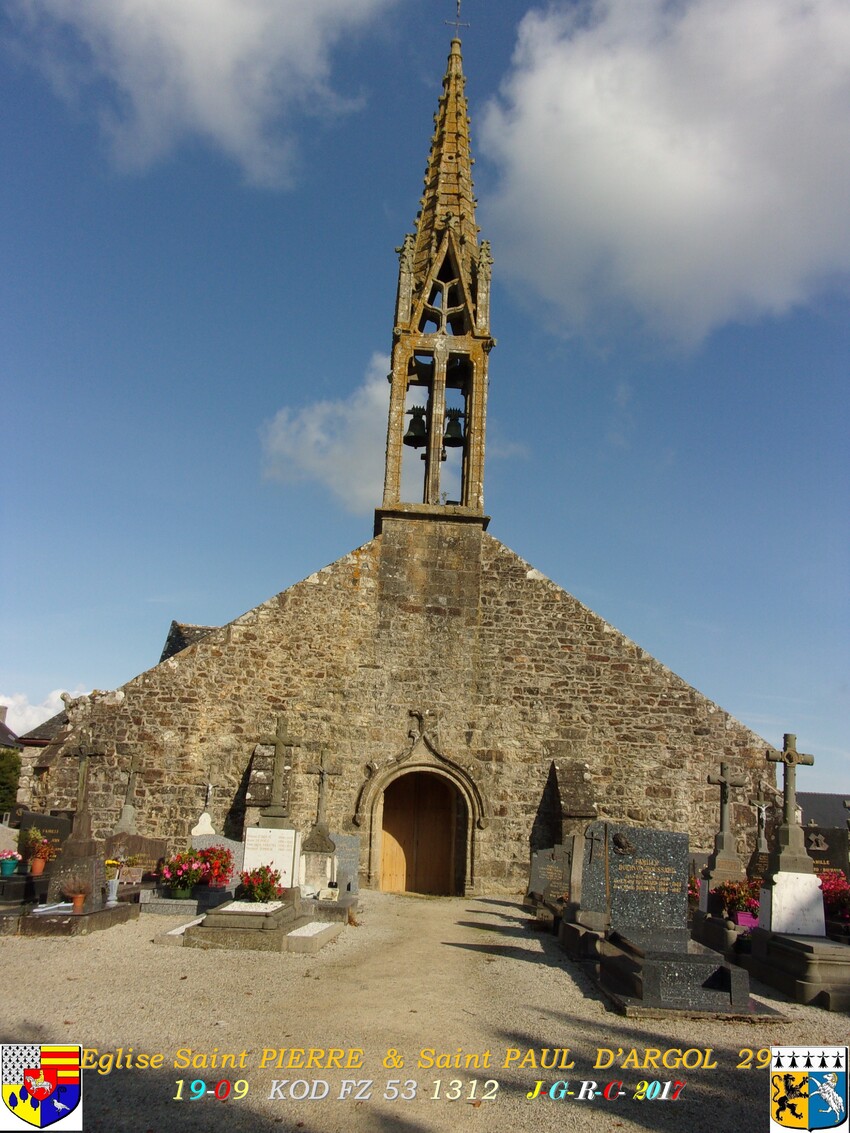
x=423 y=836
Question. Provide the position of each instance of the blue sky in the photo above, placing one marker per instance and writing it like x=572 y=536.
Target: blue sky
x=198 y=216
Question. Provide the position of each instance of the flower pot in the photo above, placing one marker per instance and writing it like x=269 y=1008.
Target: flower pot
x=37 y=866
x=745 y=920
x=78 y=900
x=180 y=894
x=8 y=866
x=112 y=891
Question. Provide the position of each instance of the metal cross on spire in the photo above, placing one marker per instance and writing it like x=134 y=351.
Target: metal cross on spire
x=456 y=22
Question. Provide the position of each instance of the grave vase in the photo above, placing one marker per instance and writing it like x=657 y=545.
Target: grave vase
x=112 y=891
x=8 y=866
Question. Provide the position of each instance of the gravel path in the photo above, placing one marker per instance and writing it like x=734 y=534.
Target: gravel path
x=416 y=974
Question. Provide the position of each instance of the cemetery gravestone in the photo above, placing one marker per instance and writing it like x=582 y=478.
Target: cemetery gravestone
x=347 y=862
x=634 y=884
x=827 y=847
x=279 y=848
x=55 y=829
x=555 y=875
x=635 y=881
x=791 y=900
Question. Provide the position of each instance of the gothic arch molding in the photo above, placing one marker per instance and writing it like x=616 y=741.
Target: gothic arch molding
x=422 y=755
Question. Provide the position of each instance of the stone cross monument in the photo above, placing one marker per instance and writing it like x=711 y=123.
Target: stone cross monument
x=791 y=900
x=127 y=822
x=276 y=814
x=723 y=863
x=319 y=839
x=81 y=829
x=790 y=855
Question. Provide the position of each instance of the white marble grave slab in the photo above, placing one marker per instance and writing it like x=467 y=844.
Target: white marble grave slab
x=793 y=904
x=263 y=907
x=281 y=849
x=311 y=929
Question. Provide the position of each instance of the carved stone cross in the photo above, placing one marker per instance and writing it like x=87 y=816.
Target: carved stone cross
x=82 y=818
x=724 y=780
x=323 y=771
x=790 y=757
x=282 y=742
x=792 y=856
x=595 y=838
x=127 y=821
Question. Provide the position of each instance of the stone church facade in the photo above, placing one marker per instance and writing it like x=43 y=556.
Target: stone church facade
x=465 y=709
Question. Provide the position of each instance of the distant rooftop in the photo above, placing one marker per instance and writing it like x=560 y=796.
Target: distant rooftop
x=180 y=636
x=822 y=809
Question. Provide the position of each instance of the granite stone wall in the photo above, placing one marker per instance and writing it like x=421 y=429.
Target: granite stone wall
x=432 y=646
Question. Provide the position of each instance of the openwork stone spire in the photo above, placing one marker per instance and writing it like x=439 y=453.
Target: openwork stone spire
x=448 y=200
x=441 y=336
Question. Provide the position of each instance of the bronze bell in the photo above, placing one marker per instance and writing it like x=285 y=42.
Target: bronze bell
x=453 y=436
x=417 y=431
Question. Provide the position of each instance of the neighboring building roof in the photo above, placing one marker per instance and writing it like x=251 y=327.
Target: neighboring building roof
x=47 y=732
x=180 y=636
x=8 y=737
x=822 y=809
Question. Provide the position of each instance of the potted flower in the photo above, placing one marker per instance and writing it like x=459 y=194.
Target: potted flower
x=27 y=841
x=76 y=889
x=836 y=896
x=112 y=869
x=8 y=862
x=260 y=884
x=218 y=865
x=740 y=901
x=181 y=872
x=43 y=852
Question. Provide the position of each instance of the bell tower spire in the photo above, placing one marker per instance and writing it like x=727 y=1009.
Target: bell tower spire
x=441 y=337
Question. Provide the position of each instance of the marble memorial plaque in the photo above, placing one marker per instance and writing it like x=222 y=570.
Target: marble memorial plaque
x=281 y=849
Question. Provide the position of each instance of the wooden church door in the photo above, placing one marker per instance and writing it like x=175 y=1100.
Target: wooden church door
x=418 y=844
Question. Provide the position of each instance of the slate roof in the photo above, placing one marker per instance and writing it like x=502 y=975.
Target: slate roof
x=8 y=737
x=180 y=636
x=45 y=733
x=823 y=809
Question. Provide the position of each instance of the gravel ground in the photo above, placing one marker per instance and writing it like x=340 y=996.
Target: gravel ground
x=448 y=974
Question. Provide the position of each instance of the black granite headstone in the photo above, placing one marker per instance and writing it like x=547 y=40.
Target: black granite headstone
x=635 y=892
x=54 y=828
x=81 y=859
x=758 y=865
x=146 y=851
x=554 y=876
x=635 y=881
x=828 y=847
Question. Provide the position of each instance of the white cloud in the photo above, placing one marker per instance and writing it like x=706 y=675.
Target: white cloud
x=687 y=163
x=23 y=716
x=233 y=72
x=340 y=444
